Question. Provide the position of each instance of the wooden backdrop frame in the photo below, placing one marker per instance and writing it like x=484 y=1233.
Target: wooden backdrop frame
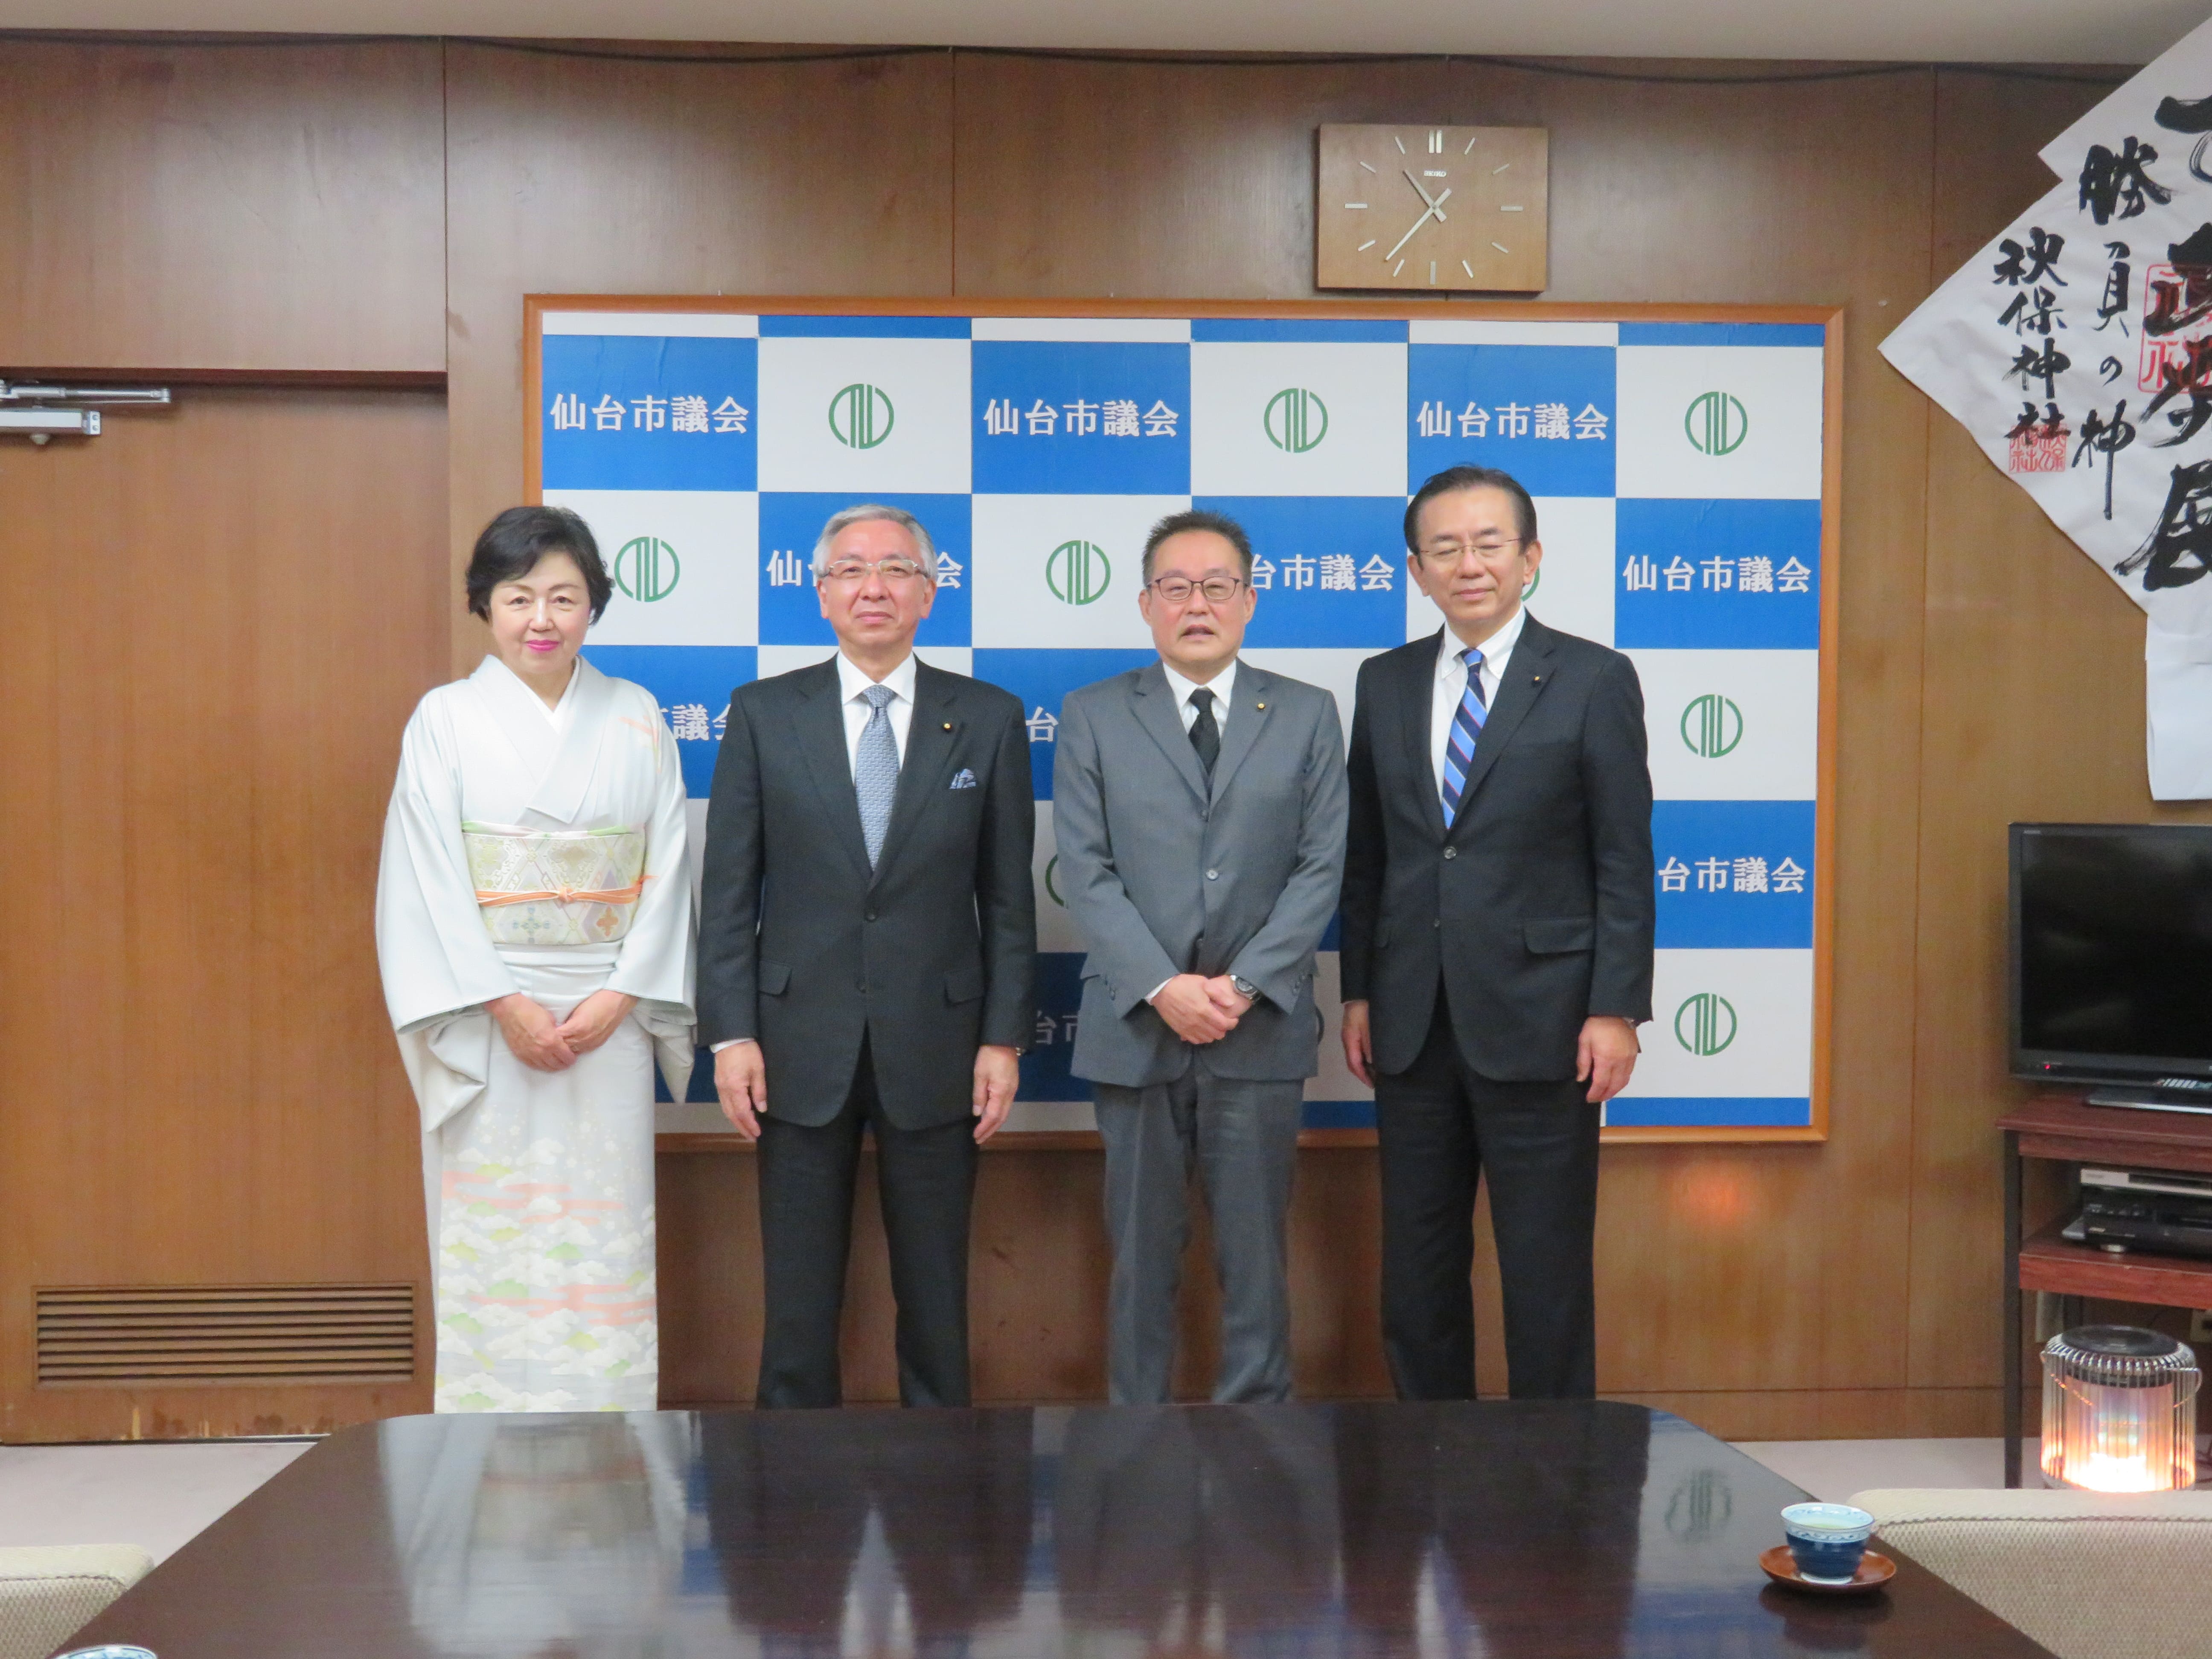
x=1830 y=319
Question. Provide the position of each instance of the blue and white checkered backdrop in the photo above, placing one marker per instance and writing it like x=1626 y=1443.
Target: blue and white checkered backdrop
x=1677 y=469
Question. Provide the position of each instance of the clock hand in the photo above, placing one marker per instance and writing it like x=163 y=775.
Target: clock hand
x=1407 y=237
x=1434 y=203
x=1436 y=210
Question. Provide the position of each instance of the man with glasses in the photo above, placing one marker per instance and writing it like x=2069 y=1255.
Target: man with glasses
x=1496 y=943
x=867 y=956
x=1198 y=805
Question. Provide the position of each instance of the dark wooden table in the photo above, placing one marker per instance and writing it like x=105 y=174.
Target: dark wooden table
x=1557 y=1531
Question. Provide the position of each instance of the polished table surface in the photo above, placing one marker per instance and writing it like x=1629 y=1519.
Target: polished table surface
x=1557 y=1530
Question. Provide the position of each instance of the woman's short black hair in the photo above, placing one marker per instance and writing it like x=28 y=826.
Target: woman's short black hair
x=1470 y=478
x=513 y=544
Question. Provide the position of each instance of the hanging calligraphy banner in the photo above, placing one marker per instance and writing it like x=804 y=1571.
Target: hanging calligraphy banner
x=2076 y=347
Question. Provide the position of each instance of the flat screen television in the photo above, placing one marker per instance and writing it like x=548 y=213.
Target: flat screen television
x=2112 y=961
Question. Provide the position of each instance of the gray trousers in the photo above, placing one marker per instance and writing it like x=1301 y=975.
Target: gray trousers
x=1242 y=1136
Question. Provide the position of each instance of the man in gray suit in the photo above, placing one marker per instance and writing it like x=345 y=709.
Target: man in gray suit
x=1199 y=804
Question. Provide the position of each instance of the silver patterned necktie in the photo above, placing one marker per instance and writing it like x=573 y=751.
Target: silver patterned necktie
x=875 y=770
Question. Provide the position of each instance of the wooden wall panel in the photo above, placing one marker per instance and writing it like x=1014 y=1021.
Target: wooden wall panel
x=250 y=207
x=1037 y=1274
x=575 y=176
x=2034 y=710
x=708 y=1207
x=1836 y=1413
x=235 y=606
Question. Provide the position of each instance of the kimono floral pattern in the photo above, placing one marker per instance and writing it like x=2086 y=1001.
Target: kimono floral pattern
x=545 y=1267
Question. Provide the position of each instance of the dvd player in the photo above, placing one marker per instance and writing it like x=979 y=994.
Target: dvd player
x=2156 y=1210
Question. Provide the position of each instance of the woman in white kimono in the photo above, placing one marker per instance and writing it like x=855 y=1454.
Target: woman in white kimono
x=534 y=927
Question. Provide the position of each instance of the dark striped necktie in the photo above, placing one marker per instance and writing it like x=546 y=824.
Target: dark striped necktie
x=1466 y=731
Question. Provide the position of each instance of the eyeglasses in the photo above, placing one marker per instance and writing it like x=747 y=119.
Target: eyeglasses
x=1177 y=590
x=853 y=572
x=1443 y=556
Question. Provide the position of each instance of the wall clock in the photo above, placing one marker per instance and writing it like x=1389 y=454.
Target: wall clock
x=1426 y=207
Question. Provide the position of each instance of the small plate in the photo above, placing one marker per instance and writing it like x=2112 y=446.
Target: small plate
x=1876 y=1569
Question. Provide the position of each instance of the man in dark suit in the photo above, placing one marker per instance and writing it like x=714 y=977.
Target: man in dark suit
x=867 y=945
x=1496 y=943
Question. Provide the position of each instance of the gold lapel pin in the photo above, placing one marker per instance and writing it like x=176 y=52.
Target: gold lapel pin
x=1259 y=705
x=948 y=726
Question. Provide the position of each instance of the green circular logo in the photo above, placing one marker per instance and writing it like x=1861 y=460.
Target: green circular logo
x=1052 y=881
x=861 y=415
x=1078 y=571
x=1712 y=725
x=646 y=568
x=1706 y=1024
x=1296 y=420
x=1535 y=581
x=1714 y=424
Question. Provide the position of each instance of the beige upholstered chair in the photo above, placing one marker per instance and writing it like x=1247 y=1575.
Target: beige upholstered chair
x=46 y=1595
x=2087 y=1575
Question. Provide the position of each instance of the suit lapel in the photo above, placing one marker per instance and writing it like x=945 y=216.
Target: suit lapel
x=1157 y=715
x=1417 y=689
x=1527 y=671
x=820 y=725
x=1240 y=725
x=930 y=740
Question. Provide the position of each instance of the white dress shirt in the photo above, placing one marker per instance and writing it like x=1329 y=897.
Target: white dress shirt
x=1223 y=685
x=851 y=682
x=1451 y=684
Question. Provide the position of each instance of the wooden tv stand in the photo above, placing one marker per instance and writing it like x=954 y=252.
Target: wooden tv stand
x=2065 y=1129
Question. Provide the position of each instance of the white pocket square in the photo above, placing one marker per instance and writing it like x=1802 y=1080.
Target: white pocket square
x=963 y=779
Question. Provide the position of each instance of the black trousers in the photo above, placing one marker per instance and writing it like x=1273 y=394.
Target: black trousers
x=927 y=1181
x=1440 y=1125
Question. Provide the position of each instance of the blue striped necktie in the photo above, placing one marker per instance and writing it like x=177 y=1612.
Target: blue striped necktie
x=1466 y=729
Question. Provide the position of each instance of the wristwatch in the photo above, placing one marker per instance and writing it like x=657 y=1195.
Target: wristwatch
x=1245 y=988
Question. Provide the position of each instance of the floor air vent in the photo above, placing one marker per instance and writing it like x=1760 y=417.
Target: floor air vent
x=137 y=1335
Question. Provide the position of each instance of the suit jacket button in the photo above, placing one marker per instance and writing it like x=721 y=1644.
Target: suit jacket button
x=1213 y=875
x=871 y=915
x=1451 y=852
x=1436 y=921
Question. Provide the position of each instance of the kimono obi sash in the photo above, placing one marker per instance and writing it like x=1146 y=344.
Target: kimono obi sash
x=552 y=887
